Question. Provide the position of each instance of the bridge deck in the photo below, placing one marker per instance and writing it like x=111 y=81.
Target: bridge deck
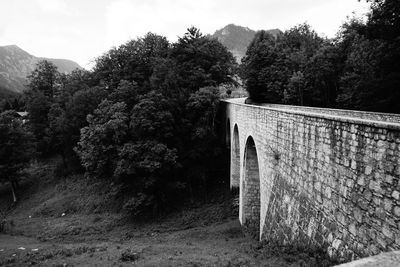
x=375 y=119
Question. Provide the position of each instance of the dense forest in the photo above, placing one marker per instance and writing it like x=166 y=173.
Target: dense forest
x=359 y=69
x=145 y=117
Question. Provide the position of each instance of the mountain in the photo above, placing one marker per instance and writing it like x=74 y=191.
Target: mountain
x=16 y=64
x=237 y=38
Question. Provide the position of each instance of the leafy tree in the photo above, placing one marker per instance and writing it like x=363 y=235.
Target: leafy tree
x=274 y=69
x=133 y=61
x=150 y=132
x=322 y=75
x=148 y=166
x=44 y=84
x=263 y=69
x=152 y=118
x=371 y=53
x=69 y=84
x=294 y=92
x=58 y=131
x=384 y=20
x=101 y=139
x=126 y=92
x=38 y=107
x=202 y=61
x=79 y=106
x=16 y=148
x=44 y=78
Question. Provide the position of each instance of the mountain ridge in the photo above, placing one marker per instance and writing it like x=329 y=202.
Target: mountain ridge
x=16 y=64
x=237 y=38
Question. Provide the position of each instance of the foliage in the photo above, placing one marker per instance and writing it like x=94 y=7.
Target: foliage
x=372 y=52
x=274 y=67
x=158 y=122
x=101 y=139
x=132 y=61
x=301 y=68
x=38 y=107
x=259 y=69
x=16 y=147
x=44 y=78
x=202 y=61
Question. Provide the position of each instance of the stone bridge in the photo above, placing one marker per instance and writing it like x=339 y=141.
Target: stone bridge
x=323 y=177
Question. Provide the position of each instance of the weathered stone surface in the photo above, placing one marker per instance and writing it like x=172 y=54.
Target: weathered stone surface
x=389 y=259
x=321 y=176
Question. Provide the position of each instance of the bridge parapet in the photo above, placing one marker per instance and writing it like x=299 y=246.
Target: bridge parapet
x=326 y=177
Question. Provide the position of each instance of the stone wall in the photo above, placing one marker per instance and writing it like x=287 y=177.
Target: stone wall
x=326 y=180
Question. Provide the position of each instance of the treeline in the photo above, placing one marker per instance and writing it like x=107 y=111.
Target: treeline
x=359 y=69
x=144 y=119
x=10 y=100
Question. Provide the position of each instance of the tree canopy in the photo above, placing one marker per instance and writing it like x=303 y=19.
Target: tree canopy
x=141 y=118
x=301 y=68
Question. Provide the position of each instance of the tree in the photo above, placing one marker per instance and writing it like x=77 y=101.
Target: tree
x=201 y=61
x=101 y=140
x=38 y=107
x=58 y=131
x=275 y=69
x=44 y=84
x=126 y=92
x=132 y=61
x=263 y=69
x=152 y=119
x=156 y=121
x=148 y=167
x=202 y=149
x=294 y=92
x=384 y=20
x=44 y=78
x=322 y=74
x=371 y=53
x=16 y=148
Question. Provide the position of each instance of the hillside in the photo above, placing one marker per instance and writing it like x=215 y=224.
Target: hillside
x=75 y=222
x=237 y=38
x=16 y=64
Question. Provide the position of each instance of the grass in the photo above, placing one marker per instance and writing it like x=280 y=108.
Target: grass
x=77 y=221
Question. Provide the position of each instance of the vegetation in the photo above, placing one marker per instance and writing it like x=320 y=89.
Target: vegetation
x=144 y=119
x=16 y=148
x=301 y=68
x=139 y=130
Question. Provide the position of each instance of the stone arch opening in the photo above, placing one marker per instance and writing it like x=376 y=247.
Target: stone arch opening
x=250 y=188
x=235 y=159
x=228 y=134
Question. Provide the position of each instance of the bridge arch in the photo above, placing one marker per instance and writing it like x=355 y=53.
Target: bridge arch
x=250 y=188
x=235 y=159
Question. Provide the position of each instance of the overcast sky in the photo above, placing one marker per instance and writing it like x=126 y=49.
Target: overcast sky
x=84 y=29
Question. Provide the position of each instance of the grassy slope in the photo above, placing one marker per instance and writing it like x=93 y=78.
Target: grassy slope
x=93 y=231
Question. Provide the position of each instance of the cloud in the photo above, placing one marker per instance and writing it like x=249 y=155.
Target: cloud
x=129 y=19
x=83 y=29
x=54 y=6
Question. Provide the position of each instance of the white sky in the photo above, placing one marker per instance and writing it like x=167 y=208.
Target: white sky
x=81 y=30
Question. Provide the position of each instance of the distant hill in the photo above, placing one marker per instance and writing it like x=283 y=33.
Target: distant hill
x=237 y=38
x=16 y=64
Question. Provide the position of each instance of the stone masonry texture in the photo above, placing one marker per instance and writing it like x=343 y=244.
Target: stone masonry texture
x=327 y=178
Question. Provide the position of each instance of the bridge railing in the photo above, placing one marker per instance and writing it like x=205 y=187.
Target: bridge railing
x=385 y=120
